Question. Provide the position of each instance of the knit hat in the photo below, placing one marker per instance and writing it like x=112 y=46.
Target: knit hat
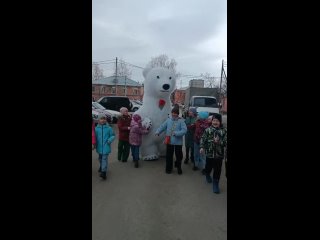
x=123 y=109
x=203 y=115
x=101 y=115
x=193 y=110
x=136 y=117
x=175 y=110
x=218 y=117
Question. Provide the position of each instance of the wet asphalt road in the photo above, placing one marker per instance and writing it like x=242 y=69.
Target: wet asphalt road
x=147 y=204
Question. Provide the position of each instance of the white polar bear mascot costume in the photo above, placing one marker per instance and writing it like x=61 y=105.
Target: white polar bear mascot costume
x=159 y=83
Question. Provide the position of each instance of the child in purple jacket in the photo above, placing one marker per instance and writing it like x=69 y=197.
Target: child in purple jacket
x=135 y=137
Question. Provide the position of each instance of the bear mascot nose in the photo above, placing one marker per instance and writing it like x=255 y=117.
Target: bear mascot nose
x=165 y=86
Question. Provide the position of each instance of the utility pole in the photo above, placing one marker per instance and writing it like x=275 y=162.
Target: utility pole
x=116 y=83
x=220 y=84
x=125 y=85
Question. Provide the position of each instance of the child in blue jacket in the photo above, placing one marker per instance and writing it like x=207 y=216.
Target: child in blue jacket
x=175 y=129
x=104 y=138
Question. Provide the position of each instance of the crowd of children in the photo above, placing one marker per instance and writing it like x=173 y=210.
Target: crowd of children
x=205 y=140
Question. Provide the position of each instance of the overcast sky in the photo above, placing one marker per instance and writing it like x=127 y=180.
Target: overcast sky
x=193 y=32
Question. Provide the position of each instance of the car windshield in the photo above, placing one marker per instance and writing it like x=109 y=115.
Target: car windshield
x=98 y=105
x=205 y=102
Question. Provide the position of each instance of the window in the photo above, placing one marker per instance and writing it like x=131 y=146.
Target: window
x=113 y=90
x=205 y=102
x=93 y=89
x=124 y=90
x=135 y=91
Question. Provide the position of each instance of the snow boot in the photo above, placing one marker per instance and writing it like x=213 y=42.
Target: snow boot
x=208 y=178
x=103 y=175
x=136 y=164
x=216 y=186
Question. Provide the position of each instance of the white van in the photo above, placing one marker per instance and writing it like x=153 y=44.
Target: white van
x=204 y=104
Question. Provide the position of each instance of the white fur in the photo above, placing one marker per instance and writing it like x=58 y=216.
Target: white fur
x=152 y=146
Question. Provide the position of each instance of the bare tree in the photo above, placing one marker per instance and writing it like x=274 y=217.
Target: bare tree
x=97 y=72
x=210 y=81
x=163 y=61
x=122 y=69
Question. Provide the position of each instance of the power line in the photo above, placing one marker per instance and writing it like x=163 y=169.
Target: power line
x=189 y=76
x=130 y=64
x=103 y=61
x=108 y=68
x=113 y=61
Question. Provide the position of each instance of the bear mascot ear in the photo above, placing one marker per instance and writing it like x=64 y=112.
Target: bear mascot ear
x=146 y=71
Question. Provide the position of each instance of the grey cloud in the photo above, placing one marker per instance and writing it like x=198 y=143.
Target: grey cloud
x=139 y=30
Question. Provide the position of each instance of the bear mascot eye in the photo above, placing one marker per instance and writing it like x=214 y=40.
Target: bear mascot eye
x=169 y=77
x=158 y=77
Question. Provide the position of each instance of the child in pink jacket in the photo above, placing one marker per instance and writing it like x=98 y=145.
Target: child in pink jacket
x=135 y=137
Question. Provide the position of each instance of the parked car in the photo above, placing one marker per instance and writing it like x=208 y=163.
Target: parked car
x=108 y=115
x=135 y=105
x=138 y=101
x=115 y=102
x=113 y=115
x=95 y=114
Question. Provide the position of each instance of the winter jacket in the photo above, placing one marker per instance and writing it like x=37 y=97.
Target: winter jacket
x=123 y=124
x=190 y=122
x=176 y=127
x=93 y=134
x=201 y=125
x=136 y=131
x=104 y=138
x=214 y=150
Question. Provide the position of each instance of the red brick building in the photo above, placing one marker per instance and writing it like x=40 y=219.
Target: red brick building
x=120 y=86
x=179 y=95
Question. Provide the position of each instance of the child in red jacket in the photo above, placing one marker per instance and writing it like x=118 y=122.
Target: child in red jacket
x=201 y=125
x=124 y=130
